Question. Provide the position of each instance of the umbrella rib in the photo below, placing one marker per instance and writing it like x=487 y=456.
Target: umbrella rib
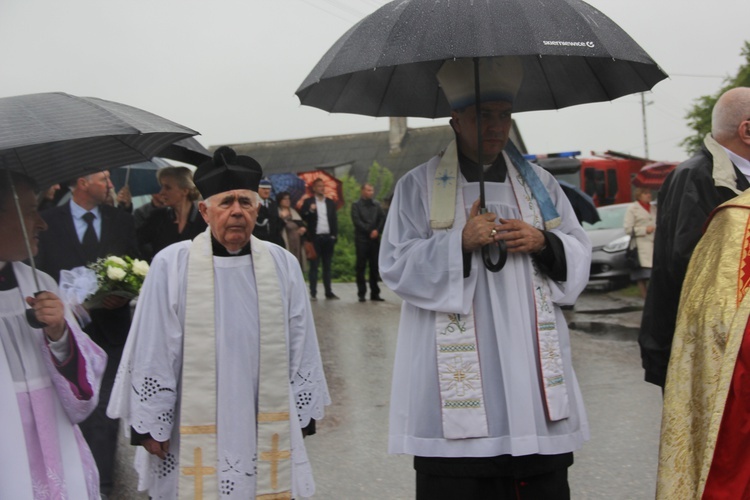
x=547 y=81
x=387 y=88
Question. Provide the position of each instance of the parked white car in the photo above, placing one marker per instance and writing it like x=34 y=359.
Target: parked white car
x=609 y=242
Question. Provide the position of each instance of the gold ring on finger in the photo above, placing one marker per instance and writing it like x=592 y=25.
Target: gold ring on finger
x=493 y=233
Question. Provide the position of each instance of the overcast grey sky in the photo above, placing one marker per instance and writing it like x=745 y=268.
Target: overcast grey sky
x=229 y=68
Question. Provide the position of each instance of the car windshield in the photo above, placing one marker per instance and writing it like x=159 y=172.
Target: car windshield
x=612 y=217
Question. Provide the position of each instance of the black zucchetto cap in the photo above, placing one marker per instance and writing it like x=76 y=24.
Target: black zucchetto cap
x=227 y=171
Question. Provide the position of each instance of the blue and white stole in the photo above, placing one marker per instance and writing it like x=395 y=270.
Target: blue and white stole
x=459 y=372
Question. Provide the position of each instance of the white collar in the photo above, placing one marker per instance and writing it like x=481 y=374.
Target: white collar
x=743 y=164
x=78 y=211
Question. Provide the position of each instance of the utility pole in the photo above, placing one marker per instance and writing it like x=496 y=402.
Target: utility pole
x=645 y=131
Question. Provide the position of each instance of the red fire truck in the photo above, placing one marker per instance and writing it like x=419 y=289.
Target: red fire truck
x=606 y=177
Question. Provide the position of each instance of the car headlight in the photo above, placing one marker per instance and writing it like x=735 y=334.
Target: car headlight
x=617 y=245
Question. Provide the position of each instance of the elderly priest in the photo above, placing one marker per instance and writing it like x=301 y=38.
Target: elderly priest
x=221 y=376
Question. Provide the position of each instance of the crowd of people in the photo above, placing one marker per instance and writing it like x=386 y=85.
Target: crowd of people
x=218 y=373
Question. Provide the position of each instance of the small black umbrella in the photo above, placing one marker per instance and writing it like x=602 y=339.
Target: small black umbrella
x=583 y=205
x=55 y=137
x=140 y=177
x=187 y=151
x=386 y=64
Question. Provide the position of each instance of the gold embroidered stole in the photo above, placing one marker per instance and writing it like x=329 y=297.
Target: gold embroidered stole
x=198 y=432
x=459 y=372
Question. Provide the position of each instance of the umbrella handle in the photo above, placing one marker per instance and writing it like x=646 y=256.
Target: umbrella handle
x=487 y=258
x=31 y=318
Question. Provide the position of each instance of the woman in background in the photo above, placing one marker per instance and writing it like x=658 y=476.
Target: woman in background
x=640 y=221
x=178 y=220
x=294 y=229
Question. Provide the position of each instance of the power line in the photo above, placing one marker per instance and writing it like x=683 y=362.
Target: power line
x=346 y=8
x=688 y=75
x=312 y=3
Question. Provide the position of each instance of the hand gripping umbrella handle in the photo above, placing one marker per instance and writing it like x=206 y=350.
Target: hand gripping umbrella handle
x=487 y=258
x=31 y=318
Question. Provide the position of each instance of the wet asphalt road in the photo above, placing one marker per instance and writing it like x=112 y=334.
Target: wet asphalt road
x=357 y=342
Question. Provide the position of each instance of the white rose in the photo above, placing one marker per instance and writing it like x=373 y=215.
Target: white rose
x=140 y=267
x=115 y=273
x=117 y=260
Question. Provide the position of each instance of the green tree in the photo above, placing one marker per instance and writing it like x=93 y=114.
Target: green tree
x=381 y=178
x=345 y=255
x=699 y=116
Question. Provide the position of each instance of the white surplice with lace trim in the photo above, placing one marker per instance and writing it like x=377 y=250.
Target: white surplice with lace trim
x=425 y=268
x=146 y=392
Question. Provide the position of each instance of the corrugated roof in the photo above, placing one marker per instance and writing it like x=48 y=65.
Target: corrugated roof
x=352 y=154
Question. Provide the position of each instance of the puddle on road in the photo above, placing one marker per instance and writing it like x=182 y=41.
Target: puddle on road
x=604 y=330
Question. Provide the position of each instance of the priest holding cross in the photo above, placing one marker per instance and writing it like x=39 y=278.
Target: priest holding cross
x=221 y=376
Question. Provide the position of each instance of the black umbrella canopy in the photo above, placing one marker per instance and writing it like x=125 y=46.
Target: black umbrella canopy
x=386 y=64
x=55 y=137
x=187 y=151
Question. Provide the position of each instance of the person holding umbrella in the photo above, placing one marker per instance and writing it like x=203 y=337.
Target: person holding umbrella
x=505 y=428
x=80 y=232
x=49 y=376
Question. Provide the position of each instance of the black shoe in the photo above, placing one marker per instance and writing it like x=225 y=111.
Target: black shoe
x=332 y=296
x=377 y=298
x=362 y=299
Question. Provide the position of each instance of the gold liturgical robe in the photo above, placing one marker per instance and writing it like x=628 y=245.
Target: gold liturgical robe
x=713 y=314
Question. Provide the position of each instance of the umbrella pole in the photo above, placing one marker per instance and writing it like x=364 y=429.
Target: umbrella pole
x=30 y=315
x=502 y=247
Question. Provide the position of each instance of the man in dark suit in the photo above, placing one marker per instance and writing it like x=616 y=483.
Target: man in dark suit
x=269 y=224
x=80 y=232
x=368 y=218
x=319 y=213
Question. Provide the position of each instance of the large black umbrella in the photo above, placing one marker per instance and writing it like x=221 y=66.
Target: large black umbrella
x=56 y=137
x=386 y=64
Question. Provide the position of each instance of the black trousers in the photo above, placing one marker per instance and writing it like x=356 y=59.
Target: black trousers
x=533 y=477
x=367 y=255
x=324 y=245
x=99 y=430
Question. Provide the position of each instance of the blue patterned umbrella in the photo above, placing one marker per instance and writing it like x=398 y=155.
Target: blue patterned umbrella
x=288 y=182
x=139 y=177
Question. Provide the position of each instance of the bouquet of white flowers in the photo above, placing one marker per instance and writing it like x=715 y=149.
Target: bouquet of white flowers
x=120 y=276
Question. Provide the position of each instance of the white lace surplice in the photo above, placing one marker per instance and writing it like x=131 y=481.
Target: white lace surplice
x=146 y=390
x=425 y=268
